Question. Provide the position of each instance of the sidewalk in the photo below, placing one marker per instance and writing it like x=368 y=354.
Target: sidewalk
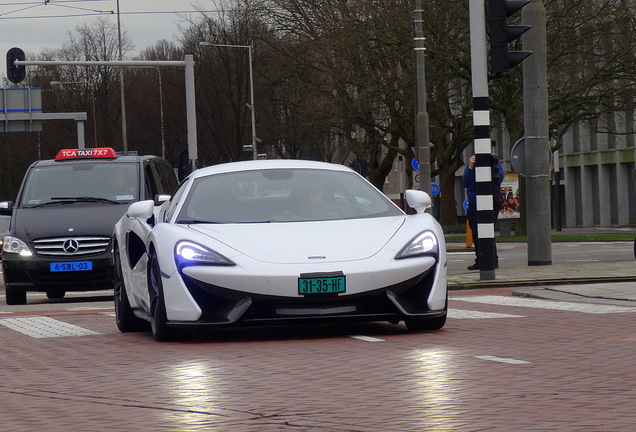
x=555 y=274
x=603 y=280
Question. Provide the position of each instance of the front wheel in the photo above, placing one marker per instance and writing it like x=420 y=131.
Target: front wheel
x=161 y=331
x=422 y=324
x=419 y=324
x=15 y=296
x=55 y=294
x=124 y=315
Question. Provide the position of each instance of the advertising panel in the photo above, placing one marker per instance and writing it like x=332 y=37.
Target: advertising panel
x=510 y=190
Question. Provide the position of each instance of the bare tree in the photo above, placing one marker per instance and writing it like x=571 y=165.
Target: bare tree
x=95 y=41
x=334 y=78
x=354 y=60
x=223 y=82
x=155 y=103
x=591 y=65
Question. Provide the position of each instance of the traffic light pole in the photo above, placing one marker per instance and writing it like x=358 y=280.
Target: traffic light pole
x=421 y=120
x=187 y=64
x=481 y=119
x=536 y=140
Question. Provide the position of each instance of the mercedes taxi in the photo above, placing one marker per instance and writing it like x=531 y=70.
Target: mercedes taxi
x=61 y=222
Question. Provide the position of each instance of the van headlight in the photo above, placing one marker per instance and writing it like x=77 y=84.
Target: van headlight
x=424 y=243
x=16 y=246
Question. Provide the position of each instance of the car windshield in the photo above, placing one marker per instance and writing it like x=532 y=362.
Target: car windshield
x=67 y=183
x=283 y=195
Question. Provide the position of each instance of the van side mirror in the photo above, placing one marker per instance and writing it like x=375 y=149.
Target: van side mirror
x=161 y=198
x=6 y=207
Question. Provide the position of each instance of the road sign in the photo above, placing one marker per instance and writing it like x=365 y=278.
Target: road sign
x=17 y=101
x=414 y=164
x=434 y=189
x=518 y=157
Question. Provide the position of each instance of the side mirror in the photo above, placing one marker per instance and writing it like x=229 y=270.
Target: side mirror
x=161 y=198
x=419 y=200
x=6 y=207
x=141 y=209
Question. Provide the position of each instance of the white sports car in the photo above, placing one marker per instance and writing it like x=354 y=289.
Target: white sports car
x=277 y=241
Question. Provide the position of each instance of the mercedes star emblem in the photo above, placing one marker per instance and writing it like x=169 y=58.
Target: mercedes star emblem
x=70 y=246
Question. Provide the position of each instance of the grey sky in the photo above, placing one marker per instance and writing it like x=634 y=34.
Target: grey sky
x=36 y=24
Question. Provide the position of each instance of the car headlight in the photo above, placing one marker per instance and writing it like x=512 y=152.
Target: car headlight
x=422 y=244
x=189 y=253
x=16 y=246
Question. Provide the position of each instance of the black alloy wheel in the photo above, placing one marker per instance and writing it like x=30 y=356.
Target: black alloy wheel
x=424 y=324
x=125 y=318
x=55 y=294
x=15 y=296
x=161 y=331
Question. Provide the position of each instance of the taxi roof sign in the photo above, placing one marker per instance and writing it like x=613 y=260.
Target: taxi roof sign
x=89 y=153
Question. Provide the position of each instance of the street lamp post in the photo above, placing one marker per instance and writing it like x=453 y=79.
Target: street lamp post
x=163 y=139
x=122 y=96
x=251 y=104
x=63 y=83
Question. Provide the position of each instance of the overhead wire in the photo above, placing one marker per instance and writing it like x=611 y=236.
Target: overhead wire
x=90 y=12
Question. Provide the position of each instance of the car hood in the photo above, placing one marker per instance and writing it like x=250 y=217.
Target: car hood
x=67 y=220
x=302 y=242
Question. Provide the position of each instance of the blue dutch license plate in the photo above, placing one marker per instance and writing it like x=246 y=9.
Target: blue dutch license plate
x=72 y=266
x=321 y=285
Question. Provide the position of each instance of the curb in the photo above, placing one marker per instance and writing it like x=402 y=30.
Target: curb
x=535 y=282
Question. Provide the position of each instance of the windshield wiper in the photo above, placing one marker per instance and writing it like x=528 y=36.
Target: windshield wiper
x=72 y=200
x=53 y=203
x=86 y=199
x=195 y=221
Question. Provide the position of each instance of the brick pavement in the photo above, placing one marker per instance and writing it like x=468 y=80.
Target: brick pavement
x=543 y=370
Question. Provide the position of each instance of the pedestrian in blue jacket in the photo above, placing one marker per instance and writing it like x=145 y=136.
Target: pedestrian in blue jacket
x=468 y=181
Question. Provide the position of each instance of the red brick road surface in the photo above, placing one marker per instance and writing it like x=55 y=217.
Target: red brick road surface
x=518 y=368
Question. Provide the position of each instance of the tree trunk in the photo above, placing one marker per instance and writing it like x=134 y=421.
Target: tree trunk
x=377 y=176
x=448 y=208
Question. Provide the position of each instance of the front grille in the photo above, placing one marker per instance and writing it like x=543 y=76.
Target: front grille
x=71 y=246
x=219 y=304
x=71 y=281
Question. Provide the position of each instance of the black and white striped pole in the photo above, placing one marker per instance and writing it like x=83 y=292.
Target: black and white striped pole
x=481 y=121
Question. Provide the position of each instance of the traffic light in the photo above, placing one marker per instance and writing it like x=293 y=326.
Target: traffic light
x=501 y=34
x=15 y=74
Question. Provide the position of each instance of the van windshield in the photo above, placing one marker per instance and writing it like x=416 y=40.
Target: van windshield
x=81 y=182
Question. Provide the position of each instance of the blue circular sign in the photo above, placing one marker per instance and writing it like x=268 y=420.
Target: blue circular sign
x=434 y=189
x=414 y=164
x=466 y=204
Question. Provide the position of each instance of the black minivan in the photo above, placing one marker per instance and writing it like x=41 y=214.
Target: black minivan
x=59 y=237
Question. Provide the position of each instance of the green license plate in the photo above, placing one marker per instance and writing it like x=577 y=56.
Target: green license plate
x=321 y=284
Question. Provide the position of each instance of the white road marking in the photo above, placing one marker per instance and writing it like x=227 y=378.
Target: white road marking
x=44 y=327
x=502 y=360
x=468 y=314
x=547 y=304
x=366 y=338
